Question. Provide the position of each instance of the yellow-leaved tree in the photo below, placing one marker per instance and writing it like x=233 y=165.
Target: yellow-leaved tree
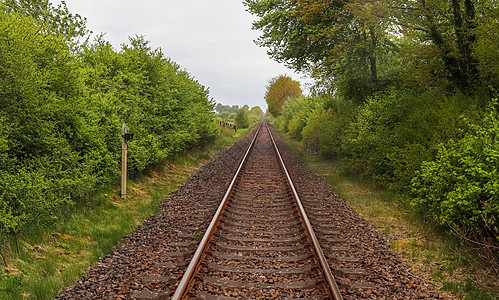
x=279 y=89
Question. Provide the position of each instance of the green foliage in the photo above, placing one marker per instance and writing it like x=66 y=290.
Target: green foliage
x=225 y=111
x=355 y=46
x=326 y=126
x=162 y=104
x=299 y=118
x=61 y=116
x=279 y=89
x=57 y=20
x=460 y=186
x=256 y=111
x=487 y=44
x=48 y=157
x=397 y=130
x=401 y=78
x=242 y=120
x=290 y=108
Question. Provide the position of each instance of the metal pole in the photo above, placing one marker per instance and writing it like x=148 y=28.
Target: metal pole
x=123 y=161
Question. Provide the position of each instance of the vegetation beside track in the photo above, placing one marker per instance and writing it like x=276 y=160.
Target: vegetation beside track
x=62 y=106
x=450 y=263
x=406 y=94
x=44 y=262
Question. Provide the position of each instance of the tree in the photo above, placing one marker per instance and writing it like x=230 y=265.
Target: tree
x=58 y=20
x=445 y=32
x=242 y=118
x=448 y=44
x=324 y=38
x=49 y=157
x=279 y=89
x=256 y=110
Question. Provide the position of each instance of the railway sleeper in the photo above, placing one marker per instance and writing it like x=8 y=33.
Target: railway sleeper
x=245 y=213
x=302 y=284
x=238 y=248
x=253 y=224
x=256 y=271
x=268 y=233
x=208 y=296
x=286 y=240
x=295 y=258
x=269 y=219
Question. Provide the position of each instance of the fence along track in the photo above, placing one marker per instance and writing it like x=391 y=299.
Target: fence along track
x=260 y=249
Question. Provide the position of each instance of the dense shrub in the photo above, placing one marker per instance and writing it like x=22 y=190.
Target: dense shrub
x=326 y=126
x=48 y=154
x=161 y=103
x=294 y=114
x=242 y=119
x=61 y=116
x=461 y=185
x=397 y=130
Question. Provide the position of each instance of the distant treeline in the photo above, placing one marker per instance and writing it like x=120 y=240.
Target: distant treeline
x=63 y=100
x=241 y=117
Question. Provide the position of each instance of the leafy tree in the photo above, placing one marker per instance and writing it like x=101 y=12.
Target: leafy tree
x=445 y=33
x=226 y=112
x=459 y=187
x=256 y=111
x=49 y=157
x=242 y=118
x=403 y=76
x=279 y=89
x=327 y=125
x=61 y=115
x=58 y=20
x=445 y=44
x=325 y=38
x=220 y=108
x=166 y=108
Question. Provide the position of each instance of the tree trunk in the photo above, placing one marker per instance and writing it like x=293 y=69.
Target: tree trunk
x=452 y=64
x=372 y=58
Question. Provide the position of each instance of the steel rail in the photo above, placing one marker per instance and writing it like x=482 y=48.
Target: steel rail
x=328 y=275
x=182 y=288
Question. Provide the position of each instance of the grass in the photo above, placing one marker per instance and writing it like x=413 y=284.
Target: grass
x=431 y=252
x=44 y=262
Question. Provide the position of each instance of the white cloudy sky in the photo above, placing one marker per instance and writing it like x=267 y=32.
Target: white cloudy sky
x=212 y=39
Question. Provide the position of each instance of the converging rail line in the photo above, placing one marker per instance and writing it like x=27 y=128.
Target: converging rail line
x=260 y=243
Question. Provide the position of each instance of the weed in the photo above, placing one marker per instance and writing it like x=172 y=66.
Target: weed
x=198 y=236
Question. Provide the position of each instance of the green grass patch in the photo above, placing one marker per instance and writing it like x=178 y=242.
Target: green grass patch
x=44 y=262
x=198 y=236
x=432 y=253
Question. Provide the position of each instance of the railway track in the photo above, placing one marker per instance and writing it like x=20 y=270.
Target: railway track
x=260 y=244
x=260 y=248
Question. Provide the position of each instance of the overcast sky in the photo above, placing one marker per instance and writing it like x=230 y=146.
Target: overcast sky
x=211 y=39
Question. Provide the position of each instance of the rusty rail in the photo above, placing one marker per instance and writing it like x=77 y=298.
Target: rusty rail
x=192 y=268
x=328 y=275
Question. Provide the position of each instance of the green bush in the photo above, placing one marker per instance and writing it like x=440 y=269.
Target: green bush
x=242 y=119
x=49 y=157
x=294 y=115
x=326 y=126
x=299 y=120
x=397 y=130
x=461 y=185
x=160 y=102
x=61 y=114
x=289 y=109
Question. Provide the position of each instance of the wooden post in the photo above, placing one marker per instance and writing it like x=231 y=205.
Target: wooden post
x=123 y=162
